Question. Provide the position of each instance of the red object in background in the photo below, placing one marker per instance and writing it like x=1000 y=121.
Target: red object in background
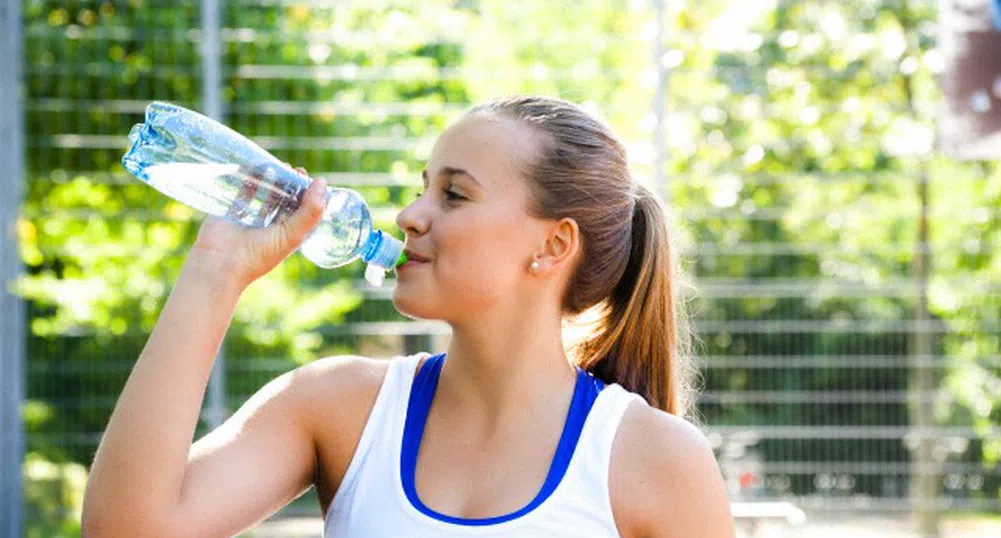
x=748 y=479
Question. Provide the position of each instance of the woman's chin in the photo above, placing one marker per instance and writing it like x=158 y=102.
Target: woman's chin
x=411 y=307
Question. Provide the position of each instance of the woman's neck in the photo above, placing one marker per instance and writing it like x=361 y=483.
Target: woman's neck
x=505 y=370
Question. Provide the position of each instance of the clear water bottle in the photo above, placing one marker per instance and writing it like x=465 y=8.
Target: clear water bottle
x=210 y=167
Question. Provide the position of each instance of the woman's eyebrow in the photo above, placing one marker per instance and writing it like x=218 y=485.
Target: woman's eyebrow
x=451 y=171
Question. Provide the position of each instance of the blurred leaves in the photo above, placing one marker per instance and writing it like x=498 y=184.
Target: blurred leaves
x=796 y=134
x=53 y=497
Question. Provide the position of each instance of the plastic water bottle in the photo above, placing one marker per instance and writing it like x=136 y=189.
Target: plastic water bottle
x=210 y=167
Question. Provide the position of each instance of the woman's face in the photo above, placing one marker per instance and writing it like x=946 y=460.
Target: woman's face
x=470 y=223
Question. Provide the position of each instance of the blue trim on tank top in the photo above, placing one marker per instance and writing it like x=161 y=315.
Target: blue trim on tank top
x=421 y=393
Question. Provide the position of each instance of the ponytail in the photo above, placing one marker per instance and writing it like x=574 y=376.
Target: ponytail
x=638 y=342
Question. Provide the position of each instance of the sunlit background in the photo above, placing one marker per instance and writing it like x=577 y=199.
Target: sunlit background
x=844 y=272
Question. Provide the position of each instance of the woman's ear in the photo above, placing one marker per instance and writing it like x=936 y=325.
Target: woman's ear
x=560 y=246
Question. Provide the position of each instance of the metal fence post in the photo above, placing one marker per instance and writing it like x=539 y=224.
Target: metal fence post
x=660 y=107
x=212 y=107
x=12 y=330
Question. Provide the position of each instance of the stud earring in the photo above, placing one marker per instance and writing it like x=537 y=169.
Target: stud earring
x=535 y=265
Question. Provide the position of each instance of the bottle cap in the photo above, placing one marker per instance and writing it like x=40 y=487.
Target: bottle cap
x=386 y=251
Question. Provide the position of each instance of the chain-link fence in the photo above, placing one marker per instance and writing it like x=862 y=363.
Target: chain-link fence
x=845 y=275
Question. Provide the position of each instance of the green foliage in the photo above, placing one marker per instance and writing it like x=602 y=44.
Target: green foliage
x=801 y=131
x=53 y=497
x=796 y=135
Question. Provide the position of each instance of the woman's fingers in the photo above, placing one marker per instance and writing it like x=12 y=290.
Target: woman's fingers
x=305 y=219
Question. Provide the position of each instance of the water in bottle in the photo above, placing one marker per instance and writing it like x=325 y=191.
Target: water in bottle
x=208 y=166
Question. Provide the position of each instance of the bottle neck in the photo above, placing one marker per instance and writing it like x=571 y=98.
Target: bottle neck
x=383 y=250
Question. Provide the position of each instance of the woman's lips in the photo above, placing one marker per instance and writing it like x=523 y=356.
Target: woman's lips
x=410 y=264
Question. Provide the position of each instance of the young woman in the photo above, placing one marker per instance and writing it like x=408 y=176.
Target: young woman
x=528 y=216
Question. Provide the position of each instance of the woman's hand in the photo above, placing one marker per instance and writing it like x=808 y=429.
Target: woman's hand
x=245 y=253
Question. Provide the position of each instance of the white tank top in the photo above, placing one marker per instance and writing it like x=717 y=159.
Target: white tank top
x=377 y=496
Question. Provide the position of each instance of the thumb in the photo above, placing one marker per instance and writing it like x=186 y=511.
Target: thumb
x=298 y=226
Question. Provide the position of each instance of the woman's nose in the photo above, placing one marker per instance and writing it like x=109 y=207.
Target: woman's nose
x=413 y=220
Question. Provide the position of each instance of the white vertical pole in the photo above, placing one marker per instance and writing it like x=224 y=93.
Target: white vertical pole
x=12 y=315
x=212 y=107
x=660 y=106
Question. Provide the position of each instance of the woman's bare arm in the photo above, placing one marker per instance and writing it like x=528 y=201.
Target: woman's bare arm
x=141 y=483
x=148 y=480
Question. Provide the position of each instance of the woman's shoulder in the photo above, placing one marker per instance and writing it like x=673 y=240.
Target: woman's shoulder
x=341 y=374
x=348 y=384
x=664 y=477
x=345 y=379
x=338 y=394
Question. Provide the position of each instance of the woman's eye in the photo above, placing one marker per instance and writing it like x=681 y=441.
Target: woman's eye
x=449 y=195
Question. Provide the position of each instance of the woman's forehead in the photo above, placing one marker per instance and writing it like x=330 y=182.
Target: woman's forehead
x=492 y=148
